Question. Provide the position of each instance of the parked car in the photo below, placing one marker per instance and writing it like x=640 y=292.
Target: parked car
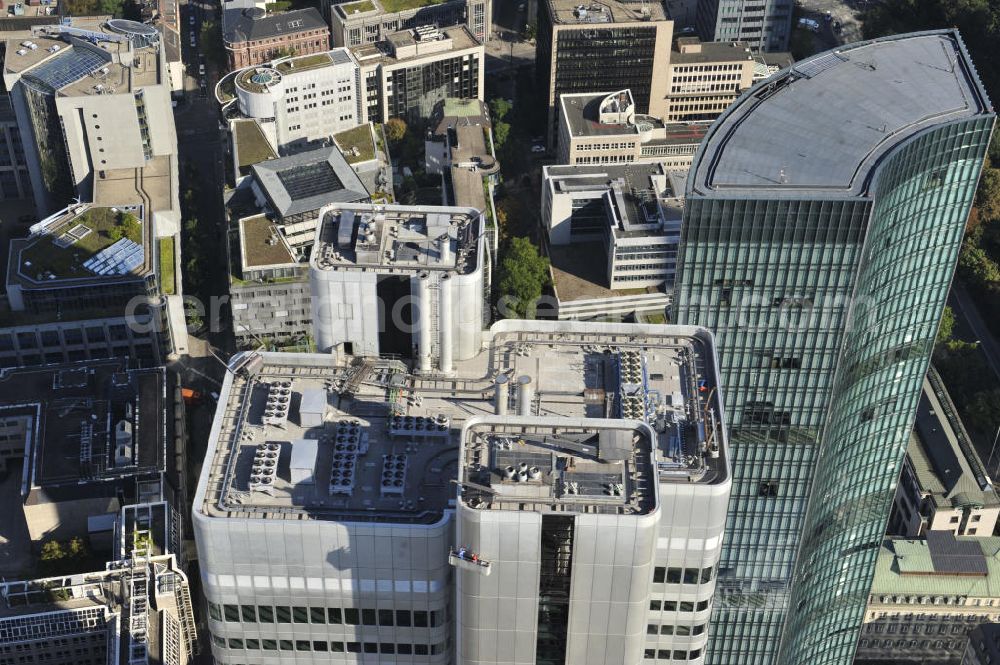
x=537 y=148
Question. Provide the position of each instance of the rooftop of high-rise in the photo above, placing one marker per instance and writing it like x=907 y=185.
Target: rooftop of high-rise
x=610 y=410
x=821 y=126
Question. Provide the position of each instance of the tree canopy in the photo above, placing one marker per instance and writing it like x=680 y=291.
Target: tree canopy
x=524 y=273
x=499 y=108
x=395 y=129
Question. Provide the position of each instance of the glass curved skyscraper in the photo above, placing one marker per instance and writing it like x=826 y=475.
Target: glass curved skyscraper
x=825 y=212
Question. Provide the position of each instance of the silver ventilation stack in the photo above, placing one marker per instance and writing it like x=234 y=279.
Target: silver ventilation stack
x=445 y=315
x=424 y=340
x=525 y=395
x=500 y=396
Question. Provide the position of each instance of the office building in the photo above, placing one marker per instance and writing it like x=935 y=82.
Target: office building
x=92 y=437
x=93 y=109
x=253 y=36
x=943 y=485
x=405 y=280
x=326 y=519
x=369 y=21
x=608 y=46
x=926 y=598
x=411 y=71
x=612 y=237
x=983 y=647
x=295 y=101
x=705 y=78
x=765 y=25
x=603 y=128
x=823 y=219
x=275 y=213
x=71 y=88
x=137 y=609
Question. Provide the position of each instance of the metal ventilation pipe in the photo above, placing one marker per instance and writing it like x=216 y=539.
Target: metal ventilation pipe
x=525 y=395
x=445 y=323
x=500 y=395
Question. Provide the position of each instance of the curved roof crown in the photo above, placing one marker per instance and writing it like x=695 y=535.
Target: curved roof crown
x=821 y=126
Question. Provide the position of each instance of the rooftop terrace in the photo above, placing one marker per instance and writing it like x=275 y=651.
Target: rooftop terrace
x=105 y=243
x=262 y=244
x=321 y=437
x=846 y=109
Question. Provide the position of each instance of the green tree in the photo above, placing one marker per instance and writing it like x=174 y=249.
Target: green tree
x=524 y=273
x=983 y=413
x=976 y=267
x=947 y=325
x=988 y=194
x=395 y=130
x=501 y=132
x=499 y=108
x=52 y=550
x=530 y=31
x=76 y=549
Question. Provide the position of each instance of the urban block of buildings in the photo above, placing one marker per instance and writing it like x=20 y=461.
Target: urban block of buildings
x=274 y=214
x=943 y=485
x=927 y=596
x=88 y=438
x=613 y=45
x=137 y=610
x=252 y=35
x=612 y=237
x=410 y=71
x=94 y=115
x=405 y=280
x=327 y=520
x=95 y=452
x=798 y=251
x=603 y=128
x=359 y=22
x=296 y=102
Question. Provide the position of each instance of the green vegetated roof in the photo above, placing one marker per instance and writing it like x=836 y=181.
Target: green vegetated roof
x=360 y=138
x=259 y=235
x=359 y=6
x=402 y=5
x=251 y=145
x=304 y=63
x=102 y=227
x=167 y=284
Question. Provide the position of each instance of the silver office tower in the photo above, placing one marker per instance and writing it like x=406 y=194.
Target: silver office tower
x=825 y=211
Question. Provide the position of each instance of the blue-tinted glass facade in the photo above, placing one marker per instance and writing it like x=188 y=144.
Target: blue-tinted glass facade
x=825 y=306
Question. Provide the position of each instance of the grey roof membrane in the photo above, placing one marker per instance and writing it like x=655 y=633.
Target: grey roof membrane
x=309 y=180
x=821 y=126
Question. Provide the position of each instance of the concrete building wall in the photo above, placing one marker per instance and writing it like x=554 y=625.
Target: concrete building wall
x=345 y=310
x=70 y=341
x=310 y=567
x=503 y=605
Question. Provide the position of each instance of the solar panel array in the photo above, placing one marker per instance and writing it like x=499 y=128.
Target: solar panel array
x=302 y=182
x=121 y=258
x=71 y=66
x=957 y=557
